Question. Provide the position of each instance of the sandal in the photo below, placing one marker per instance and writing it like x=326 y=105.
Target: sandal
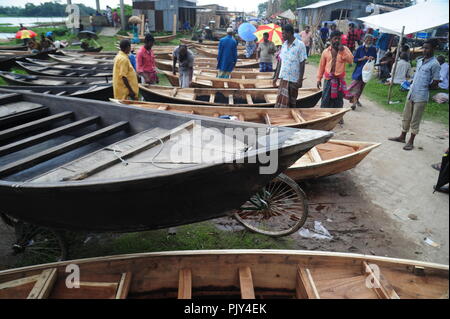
x=408 y=147
x=396 y=139
x=353 y=107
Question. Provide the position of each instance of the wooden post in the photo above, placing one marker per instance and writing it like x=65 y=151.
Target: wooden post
x=97 y=5
x=174 y=24
x=122 y=15
x=395 y=65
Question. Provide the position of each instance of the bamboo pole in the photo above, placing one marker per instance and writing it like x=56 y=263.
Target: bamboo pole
x=175 y=20
x=122 y=15
x=395 y=65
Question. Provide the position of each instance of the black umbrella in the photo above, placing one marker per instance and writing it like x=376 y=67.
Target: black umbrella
x=87 y=35
x=444 y=173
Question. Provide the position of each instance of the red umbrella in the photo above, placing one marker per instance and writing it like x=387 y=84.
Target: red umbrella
x=24 y=34
x=274 y=31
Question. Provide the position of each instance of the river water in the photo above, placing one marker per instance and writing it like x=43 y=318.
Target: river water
x=27 y=21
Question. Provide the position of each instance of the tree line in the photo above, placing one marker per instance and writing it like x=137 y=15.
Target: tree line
x=286 y=4
x=47 y=9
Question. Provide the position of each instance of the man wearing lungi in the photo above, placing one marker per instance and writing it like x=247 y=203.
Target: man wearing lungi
x=293 y=57
x=185 y=59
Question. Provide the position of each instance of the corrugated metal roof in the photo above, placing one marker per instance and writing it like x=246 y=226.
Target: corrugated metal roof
x=320 y=4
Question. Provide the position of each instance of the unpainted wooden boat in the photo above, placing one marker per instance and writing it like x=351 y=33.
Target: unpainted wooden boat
x=70 y=52
x=213 y=53
x=312 y=119
x=61 y=71
x=225 y=274
x=103 y=66
x=165 y=38
x=330 y=158
x=213 y=44
x=206 y=64
x=94 y=92
x=80 y=61
x=20 y=47
x=203 y=81
x=237 y=74
x=40 y=80
x=307 y=98
x=82 y=146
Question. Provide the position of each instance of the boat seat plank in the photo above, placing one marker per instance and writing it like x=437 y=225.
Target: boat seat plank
x=163 y=108
x=246 y=283
x=314 y=155
x=23 y=116
x=35 y=139
x=55 y=151
x=133 y=151
x=267 y=119
x=30 y=126
x=231 y=99
x=44 y=285
x=212 y=98
x=185 y=284
x=249 y=99
x=382 y=288
x=297 y=116
x=16 y=107
x=19 y=282
x=174 y=92
x=9 y=97
x=124 y=286
x=306 y=287
x=61 y=93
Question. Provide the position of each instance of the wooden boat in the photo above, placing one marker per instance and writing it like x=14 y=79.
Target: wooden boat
x=58 y=167
x=225 y=97
x=6 y=63
x=213 y=53
x=94 y=92
x=40 y=80
x=330 y=158
x=79 y=61
x=312 y=119
x=20 y=47
x=201 y=81
x=207 y=64
x=69 y=52
x=212 y=44
x=104 y=65
x=164 y=39
x=61 y=71
x=25 y=54
x=232 y=274
x=237 y=74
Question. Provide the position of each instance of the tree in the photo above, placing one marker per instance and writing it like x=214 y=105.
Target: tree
x=262 y=8
x=294 y=4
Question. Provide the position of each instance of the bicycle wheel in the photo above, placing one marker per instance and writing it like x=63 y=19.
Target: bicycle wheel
x=279 y=209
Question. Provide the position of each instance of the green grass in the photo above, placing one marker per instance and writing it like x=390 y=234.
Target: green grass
x=378 y=92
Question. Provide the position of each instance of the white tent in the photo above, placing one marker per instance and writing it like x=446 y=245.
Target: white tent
x=422 y=16
x=288 y=14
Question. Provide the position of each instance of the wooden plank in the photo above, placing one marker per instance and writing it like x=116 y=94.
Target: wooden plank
x=124 y=286
x=35 y=139
x=23 y=116
x=30 y=126
x=249 y=99
x=50 y=153
x=212 y=98
x=132 y=152
x=266 y=98
x=44 y=285
x=185 y=284
x=267 y=119
x=9 y=98
x=61 y=93
x=174 y=92
x=163 y=108
x=297 y=116
x=19 y=282
x=314 y=155
x=246 y=282
x=306 y=288
x=383 y=289
x=241 y=117
x=231 y=99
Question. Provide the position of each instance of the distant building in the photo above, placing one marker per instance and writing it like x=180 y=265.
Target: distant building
x=216 y=14
x=160 y=13
x=330 y=10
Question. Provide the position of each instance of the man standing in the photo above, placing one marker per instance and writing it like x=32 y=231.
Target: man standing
x=382 y=46
x=443 y=83
x=293 y=57
x=324 y=33
x=227 y=56
x=427 y=71
x=332 y=67
x=352 y=37
x=146 y=65
x=185 y=60
x=125 y=82
x=265 y=54
x=306 y=36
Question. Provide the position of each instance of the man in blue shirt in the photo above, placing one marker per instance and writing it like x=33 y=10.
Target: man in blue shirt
x=227 y=56
x=363 y=54
x=426 y=78
x=383 y=46
x=324 y=33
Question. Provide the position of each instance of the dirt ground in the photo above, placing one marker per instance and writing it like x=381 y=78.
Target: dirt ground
x=386 y=205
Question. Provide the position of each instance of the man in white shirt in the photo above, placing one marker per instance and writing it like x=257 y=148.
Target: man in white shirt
x=443 y=83
x=403 y=71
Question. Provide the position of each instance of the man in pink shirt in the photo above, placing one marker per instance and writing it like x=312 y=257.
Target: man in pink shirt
x=146 y=66
x=307 y=38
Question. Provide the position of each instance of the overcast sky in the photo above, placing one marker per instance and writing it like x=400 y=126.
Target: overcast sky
x=246 y=5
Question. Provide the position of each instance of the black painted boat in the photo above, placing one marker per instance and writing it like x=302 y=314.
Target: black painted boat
x=63 y=71
x=68 y=163
x=74 y=62
x=102 y=92
x=41 y=80
x=6 y=63
x=19 y=47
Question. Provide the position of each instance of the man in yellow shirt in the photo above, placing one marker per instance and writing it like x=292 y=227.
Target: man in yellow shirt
x=125 y=82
